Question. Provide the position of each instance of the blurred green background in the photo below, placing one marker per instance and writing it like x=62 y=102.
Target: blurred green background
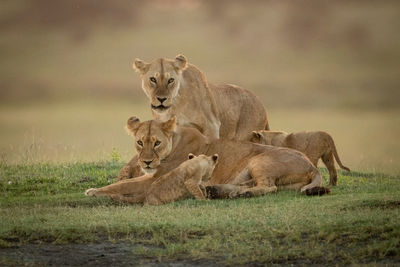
x=67 y=84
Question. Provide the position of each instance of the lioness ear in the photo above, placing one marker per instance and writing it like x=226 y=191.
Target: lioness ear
x=190 y=156
x=140 y=66
x=132 y=125
x=180 y=62
x=215 y=158
x=170 y=125
x=256 y=134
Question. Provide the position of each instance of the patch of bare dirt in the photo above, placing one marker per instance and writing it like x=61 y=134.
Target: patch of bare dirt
x=101 y=254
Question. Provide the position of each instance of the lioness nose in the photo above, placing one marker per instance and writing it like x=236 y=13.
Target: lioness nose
x=148 y=162
x=161 y=99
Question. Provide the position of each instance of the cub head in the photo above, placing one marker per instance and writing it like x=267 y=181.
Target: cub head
x=153 y=141
x=207 y=163
x=258 y=138
x=268 y=137
x=161 y=80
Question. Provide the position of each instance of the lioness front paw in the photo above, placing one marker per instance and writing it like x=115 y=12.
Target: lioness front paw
x=90 y=192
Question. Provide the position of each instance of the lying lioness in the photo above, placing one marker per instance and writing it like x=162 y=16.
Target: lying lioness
x=162 y=146
x=182 y=181
x=314 y=145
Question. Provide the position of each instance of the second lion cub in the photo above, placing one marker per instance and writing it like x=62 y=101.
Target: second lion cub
x=183 y=181
x=314 y=145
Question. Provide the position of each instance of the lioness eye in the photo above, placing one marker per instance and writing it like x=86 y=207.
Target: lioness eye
x=157 y=143
x=140 y=143
x=171 y=80
x=152 y=79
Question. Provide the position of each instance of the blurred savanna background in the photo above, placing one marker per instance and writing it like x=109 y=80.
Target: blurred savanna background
x=67 y=85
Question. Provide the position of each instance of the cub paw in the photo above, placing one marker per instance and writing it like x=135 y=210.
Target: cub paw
x=90 y=192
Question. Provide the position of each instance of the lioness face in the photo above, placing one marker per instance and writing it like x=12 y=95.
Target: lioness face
x=161 y=80
x=153 y=141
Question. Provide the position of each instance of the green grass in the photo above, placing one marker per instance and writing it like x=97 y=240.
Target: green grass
x=357 y=223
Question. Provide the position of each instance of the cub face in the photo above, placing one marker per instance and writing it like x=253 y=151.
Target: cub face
x=161 y=80
x=258 y=138
x=153 y=141
x=208 y=164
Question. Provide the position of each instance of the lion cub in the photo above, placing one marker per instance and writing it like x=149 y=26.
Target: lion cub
x=314 y=145
x=182 y=181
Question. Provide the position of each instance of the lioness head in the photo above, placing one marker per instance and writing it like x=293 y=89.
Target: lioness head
x=161 y=80
x=207 y=163
x=153 y=141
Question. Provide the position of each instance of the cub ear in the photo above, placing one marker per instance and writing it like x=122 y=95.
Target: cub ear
x=256 y=134
x=190 y=156
x=140 y=66
x=132 y=125
x=170 y=125
x=180 y=62
x=215 y=158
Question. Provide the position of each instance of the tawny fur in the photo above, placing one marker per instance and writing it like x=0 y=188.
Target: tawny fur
x=183 y=181
x=175 y=87
x=315 y=145
x=269 y=168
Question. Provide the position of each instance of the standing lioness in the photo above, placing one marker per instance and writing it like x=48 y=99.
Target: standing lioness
x=175 y=87
x=314 y=145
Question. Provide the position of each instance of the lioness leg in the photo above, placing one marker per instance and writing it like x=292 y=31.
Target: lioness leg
x=152 y=200
x=264 y=174
x=316 y=181
x=126 y=187
x=295 y=186
x=129 y=199
x=330 y=165
x=258 y=190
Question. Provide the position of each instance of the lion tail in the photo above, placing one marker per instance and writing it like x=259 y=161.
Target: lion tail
x=335 y=154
